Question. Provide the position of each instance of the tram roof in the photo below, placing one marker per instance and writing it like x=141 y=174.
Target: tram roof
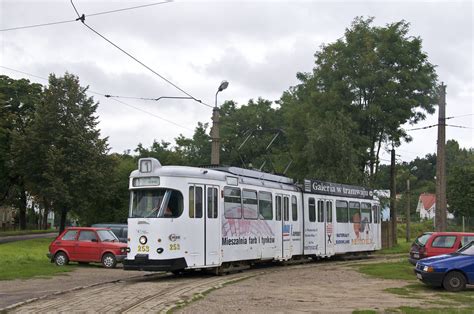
x=245 y=176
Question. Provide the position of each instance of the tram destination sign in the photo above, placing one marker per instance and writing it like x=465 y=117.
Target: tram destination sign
x=336 y=189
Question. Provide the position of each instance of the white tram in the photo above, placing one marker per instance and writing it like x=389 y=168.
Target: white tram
x=197 y=218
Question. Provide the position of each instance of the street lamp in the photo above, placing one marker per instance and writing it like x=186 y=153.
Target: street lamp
x=408 y=203
x=215 y=146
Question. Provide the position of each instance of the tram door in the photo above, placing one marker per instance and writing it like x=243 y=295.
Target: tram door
x=325 y=226
x=329 y=229
x=212 y=229
x=282 y=215
x=196 y=226
x=204 y=225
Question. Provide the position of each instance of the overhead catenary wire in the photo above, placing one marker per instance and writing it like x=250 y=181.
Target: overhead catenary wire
x=104 y=95
x=432 y=126
x=82 y=19
x=88 y=15
x=154 y=99
x=459 y=116
x=152 y=114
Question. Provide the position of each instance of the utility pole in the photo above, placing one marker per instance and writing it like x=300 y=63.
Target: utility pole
x=441 y=203
x=393 y=195
x=215 y=145
x=408 y=209
x=215 y=134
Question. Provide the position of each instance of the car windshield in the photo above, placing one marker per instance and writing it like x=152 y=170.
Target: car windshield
x=106 y=236
x=468 y=249
x=421 y=240
x=156 y=203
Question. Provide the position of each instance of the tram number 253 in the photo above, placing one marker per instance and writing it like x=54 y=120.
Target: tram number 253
x=174 y=247
x=143 y=248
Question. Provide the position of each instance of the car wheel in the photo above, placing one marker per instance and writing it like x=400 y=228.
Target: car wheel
x=61 y=259
x=109 y=260
x=454 y=281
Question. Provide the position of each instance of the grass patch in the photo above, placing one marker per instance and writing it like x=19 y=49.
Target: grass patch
x=401 y=247
x=419 y=310
x=26 y=259
x=401 y=270
x=24 y=232
x=364 y=312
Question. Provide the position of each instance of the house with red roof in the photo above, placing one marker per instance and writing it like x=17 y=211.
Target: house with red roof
x=426 y=206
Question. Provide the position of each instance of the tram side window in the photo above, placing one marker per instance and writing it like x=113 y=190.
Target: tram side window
x=195 y=202
x=329 y=212
x=342 y=214
x=376 y=212
x=250 y=204
x=232 y=203
x=294 y=208
x=320 y=211
x=286 y=208
x=354 y=212
x=278 y=208
x=366 y=217
x=212 y=203
x=265 y=205
x=311 y=209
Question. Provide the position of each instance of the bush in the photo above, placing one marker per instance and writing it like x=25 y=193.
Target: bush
x=416 y=229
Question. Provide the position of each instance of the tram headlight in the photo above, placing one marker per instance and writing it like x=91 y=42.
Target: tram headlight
x=159 y=250
x=143 y=240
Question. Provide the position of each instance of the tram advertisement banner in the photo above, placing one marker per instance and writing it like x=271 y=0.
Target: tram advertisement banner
x=336 y=189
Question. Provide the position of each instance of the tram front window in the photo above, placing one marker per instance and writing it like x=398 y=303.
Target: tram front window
x=156 y=203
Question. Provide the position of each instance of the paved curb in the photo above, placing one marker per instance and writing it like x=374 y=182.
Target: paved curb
x=13 y=306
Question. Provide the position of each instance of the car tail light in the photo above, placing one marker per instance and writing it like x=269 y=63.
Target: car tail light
x=422 y=252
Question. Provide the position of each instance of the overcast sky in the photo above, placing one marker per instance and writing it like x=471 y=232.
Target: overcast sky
x=258 y=46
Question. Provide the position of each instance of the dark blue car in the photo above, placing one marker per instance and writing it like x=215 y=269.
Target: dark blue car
x=451 y=271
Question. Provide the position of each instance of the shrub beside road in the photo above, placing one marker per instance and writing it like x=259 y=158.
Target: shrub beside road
x=26 y=259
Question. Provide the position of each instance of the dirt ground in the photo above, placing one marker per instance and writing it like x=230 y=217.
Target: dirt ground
x=317 y=289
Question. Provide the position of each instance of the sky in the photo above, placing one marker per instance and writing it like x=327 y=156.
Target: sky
x=257 y=46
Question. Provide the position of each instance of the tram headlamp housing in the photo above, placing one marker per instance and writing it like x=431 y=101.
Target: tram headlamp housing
x=143 y=240
x=159 y=250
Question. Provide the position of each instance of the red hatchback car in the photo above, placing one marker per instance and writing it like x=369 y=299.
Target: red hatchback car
x=83 y=245
x=437 y=243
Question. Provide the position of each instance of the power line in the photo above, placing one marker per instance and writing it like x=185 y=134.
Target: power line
x=104 y=95
x=154 y=99
x=82 y=19
x=423 y=128
x=35 y=25
x=460 y=126
x=463 y=115
x=129 y=8
x=152 y=114
x=29 y=74
x=93 y=14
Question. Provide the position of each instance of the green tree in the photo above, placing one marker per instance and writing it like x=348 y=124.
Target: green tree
x=460 y=179
x=195 y=151
x=163 y=151
x=248 y=131
x=64 y=156
x=18 y=102
x=112 y=205
x=378 y=77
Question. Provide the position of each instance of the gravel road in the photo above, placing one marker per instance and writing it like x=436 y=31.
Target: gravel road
x=315 y=287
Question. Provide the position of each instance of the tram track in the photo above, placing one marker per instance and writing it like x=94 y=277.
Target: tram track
x=160 y=292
